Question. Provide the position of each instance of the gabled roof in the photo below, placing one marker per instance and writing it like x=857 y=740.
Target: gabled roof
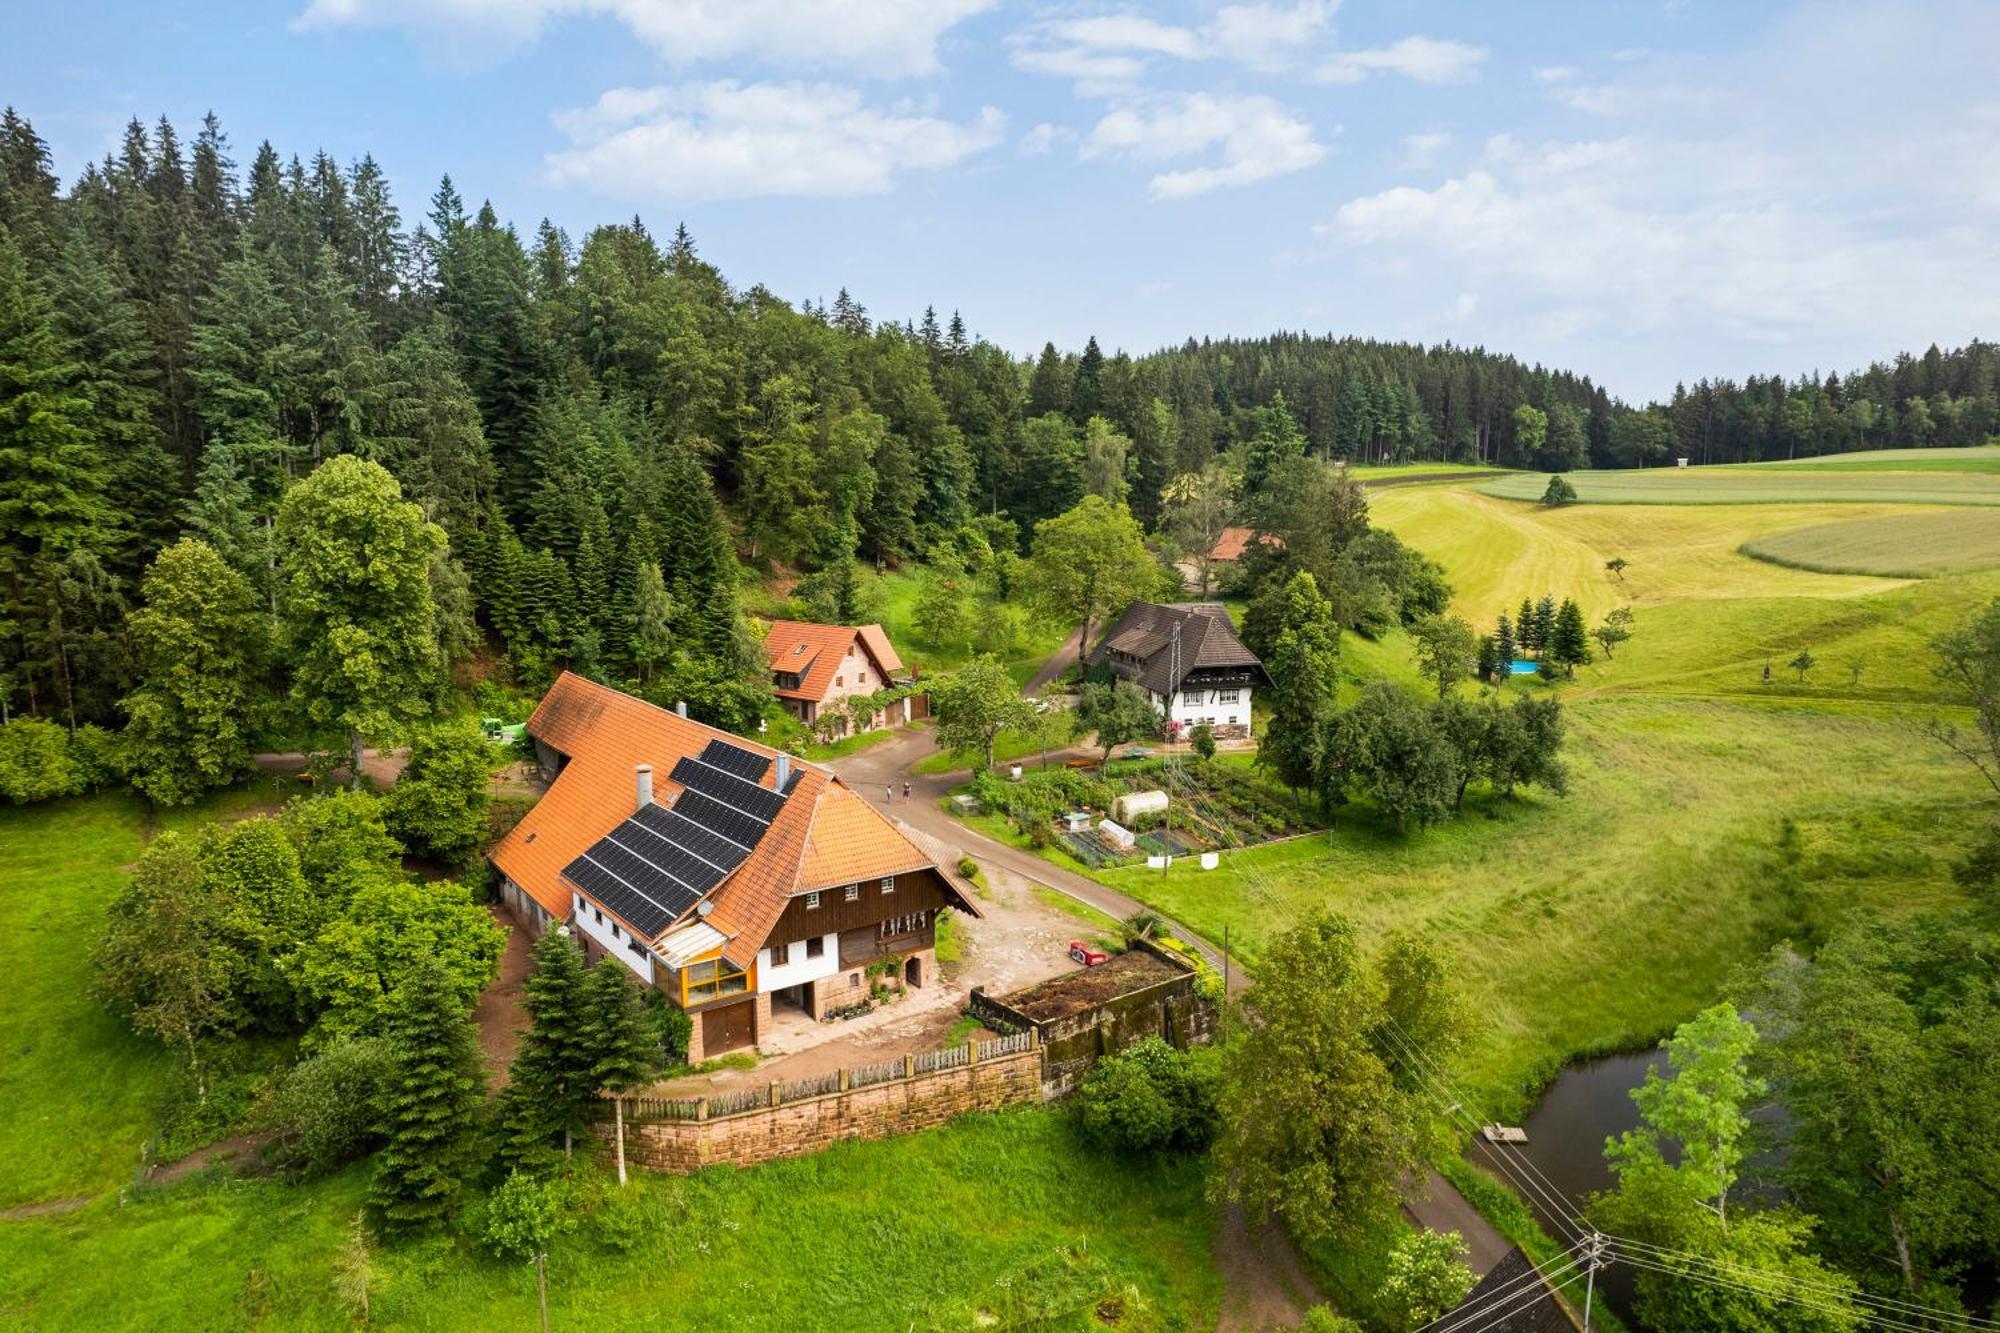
x=813 y=652
x=1234 y=542
x=1146 y=632
x=605 y=735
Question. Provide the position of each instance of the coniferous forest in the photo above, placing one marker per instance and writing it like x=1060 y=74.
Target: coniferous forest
x=605 y=428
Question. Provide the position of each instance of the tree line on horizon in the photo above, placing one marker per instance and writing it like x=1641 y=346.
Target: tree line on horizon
x=605 y=431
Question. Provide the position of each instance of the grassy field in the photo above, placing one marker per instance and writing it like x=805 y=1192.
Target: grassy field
x=1000 y=1219
x=1910 y=546
x=1766 y=484
x=81 y=1094
x=938 y=1230
x=1970 y=458
x=1415 y=471
x=1596 y=922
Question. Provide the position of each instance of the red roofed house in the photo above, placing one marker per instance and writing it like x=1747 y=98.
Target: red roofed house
x=815 y=667
x=728 y=875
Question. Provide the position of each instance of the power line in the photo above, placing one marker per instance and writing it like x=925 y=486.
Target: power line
x=1820 y=1306
x=1493 y=1297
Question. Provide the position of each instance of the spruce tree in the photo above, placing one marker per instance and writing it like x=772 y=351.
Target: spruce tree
x=1545 y=623
x=1524 y=625
x=1569 y=640
x=651 y=634
x=551 y=1081
x=1505 y=650
x=430 y=1105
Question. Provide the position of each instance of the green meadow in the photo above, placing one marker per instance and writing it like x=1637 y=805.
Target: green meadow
x=1968 y=476
x=1918 y=545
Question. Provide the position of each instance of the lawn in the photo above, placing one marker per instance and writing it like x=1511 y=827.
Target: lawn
x=1913 y=546
x=1765 y=484
x=1968 y=458
x=993 y=1219
x=1379 y=472
x=81 y=1094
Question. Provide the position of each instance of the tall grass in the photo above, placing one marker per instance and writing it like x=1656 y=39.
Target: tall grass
x=1905 y=546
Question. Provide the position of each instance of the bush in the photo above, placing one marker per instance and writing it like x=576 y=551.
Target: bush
x=1560 y=492
x=675 y=1029
x=329 y=1105
x=1148 y=1098
x=967 y=867
x=36 y=762
x=438 y=807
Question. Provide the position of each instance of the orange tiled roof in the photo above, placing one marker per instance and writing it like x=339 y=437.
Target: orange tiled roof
x=1234 y=542
x=606 y=734
x=814 y=653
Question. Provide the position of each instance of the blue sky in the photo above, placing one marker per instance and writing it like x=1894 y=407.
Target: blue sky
x=1647 y=192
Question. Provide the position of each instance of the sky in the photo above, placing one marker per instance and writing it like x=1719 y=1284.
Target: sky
x=1646 y=192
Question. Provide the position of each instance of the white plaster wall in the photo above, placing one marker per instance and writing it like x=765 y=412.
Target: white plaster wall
x=801 y=968
x=619 y=947
x=1191 y=706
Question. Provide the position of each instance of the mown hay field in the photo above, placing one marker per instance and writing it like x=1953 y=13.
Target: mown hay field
x=1909 y=546
x=1735 y=484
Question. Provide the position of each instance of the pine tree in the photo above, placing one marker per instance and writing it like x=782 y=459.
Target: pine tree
x=431 y=1102
x=1545 y=624
x=1086 y=391
x=1569 y=640
x=622 y=1036
x=551 y=1082
x=1505 y=650
x=1524 y=625
x=651 y=635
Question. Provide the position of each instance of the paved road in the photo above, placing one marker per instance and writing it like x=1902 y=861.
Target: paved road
x=887 y=767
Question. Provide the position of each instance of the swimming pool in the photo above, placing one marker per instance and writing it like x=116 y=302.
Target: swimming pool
x=1523 y=667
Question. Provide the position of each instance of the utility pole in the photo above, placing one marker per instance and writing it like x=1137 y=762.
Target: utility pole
x=1225 y=981
x=1590 y=1283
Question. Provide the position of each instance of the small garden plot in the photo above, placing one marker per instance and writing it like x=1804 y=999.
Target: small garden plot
x=1222 y=808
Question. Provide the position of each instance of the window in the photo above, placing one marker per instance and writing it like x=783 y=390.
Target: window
x=780 y=954
x=903 y=925
x=854 y=981
x=812 y=901
x=840 y=680
x=1225 y=696
x=634 y=946
x=851 y=894
x=702 y=982
x=1232 y=719
x=614 y=930
x=861 y=678
x=816 y=947
x=888 y=884
x=599 y=915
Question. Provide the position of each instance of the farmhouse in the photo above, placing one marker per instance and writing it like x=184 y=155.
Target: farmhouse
x=816 y=668
x=728 y=875
x=1187 y=656
x=1234 y=541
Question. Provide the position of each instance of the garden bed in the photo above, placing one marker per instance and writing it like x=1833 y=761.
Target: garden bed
x=1212 y=809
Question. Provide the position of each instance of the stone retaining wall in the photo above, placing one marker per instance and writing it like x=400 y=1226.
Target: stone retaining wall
x=791 y=1129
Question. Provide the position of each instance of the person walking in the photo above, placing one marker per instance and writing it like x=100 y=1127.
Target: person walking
x=906 y=789
x=888 y=793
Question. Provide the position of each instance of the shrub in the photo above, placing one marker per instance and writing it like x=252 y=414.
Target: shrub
x=36 y=762
x=1560 y=492
x=967 y=867
x=675 y=1029
x=1148 y=1098
x=329 y=1105
x=438 y=807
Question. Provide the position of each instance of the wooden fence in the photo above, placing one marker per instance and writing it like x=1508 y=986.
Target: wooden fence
x=721 y=1105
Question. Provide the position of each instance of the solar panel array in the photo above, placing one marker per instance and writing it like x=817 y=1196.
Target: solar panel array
x=735 y=759
x=657 y=864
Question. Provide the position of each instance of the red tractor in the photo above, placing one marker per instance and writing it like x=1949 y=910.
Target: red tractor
x=1086 y=955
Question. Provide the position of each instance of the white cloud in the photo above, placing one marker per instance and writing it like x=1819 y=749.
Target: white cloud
x=1422 y=150
x=875 y=37
x=1256 y=139
x=1105 y=53
x=1424 y=59
x=1555 y=74
x=1041 y=138
x=730 y=140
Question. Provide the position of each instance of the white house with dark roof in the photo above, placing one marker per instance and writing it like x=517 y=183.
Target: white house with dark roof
x=1187 y=656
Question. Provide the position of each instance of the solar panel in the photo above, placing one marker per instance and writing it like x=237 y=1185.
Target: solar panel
x=716 y=817
x=639 y=911
x=735 y=759
x=759 y=802
x=684 y=832
x=677 y=861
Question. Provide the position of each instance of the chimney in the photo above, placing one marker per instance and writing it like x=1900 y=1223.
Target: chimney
x=784 y=771
x=681 y=707
x=645 y=775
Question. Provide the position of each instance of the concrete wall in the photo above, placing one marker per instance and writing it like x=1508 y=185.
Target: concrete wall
x=901 y=1106
x=1170 y=1010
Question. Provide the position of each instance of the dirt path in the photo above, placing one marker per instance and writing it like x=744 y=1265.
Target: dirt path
x=240 y=1149
x=1264 y=1284
x=24 y=1212
x=381 y=767
x=1061 y=660
x=1445 y=1209
x=499 y=1015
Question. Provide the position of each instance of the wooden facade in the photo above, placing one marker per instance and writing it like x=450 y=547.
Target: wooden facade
x=919 y=891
